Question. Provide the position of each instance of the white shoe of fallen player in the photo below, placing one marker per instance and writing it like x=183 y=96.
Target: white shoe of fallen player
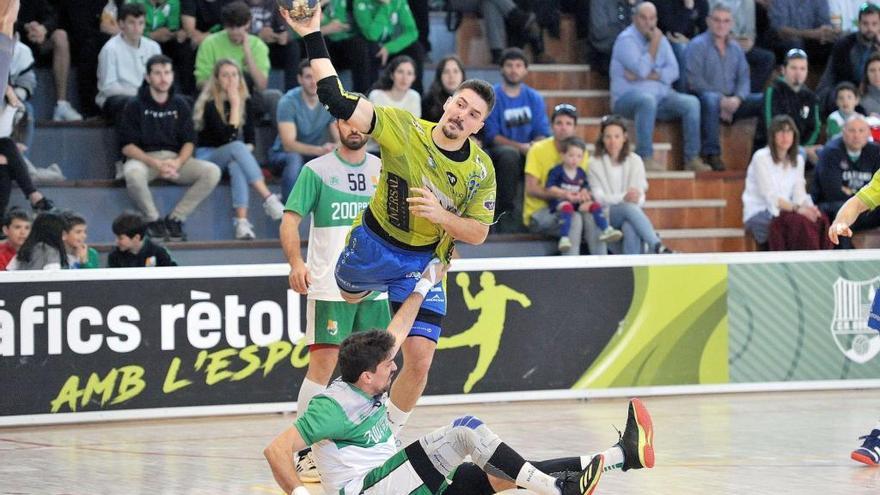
x=306 y=469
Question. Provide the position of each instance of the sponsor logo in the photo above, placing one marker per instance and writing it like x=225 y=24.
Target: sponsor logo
x=415 y=275
x=334 y=181
x=332 y=327
x=453 y=180
x=489 y=205
x=849 y=326
x=396 y=205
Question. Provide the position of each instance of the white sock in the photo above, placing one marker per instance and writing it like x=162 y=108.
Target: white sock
x=531 y=479
x=307 y=390
x=396 y=417
x=613 y=459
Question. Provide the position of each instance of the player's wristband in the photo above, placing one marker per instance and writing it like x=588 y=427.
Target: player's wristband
x=315 y=47
x=423 y=286
x=300 y=490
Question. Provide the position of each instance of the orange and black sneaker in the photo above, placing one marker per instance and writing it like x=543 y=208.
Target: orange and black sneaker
x=637 y=440
x=869 y=452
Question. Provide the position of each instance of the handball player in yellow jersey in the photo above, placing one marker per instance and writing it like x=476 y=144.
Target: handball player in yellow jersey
x=436 y=187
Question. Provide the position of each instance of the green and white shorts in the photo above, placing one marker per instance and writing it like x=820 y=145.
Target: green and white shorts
x=330 y=322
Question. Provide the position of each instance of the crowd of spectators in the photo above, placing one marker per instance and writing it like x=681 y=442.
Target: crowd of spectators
x=186 y=82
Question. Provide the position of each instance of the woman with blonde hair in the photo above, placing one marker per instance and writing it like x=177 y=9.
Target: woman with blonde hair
x=221 y=116
x=777 y=210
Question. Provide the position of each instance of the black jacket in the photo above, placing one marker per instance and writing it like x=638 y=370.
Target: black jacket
x=802 y=106
x=151 y=254
x=216 y=133
x=836 y=170
x=156 y=127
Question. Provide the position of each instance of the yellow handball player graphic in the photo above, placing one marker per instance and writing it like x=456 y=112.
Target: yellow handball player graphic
x=486 y=332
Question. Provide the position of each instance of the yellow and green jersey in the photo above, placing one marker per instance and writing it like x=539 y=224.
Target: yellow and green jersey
x=870 y=193
x=411 y=159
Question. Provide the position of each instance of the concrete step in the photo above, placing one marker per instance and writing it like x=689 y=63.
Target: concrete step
x=686 y=213
x=565 y=76
x=589 y=102
x=705 y=240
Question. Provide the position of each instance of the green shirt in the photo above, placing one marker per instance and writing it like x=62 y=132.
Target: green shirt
x=870 y=193
x=337 y=10
x=218 y=45
x=349 y=434
x=166 y=14
x=411 y=159
x=390 y=24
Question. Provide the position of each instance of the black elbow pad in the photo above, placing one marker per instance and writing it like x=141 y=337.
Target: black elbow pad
x=339 y=102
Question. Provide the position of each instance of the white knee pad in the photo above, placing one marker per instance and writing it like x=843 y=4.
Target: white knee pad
x=448 y=446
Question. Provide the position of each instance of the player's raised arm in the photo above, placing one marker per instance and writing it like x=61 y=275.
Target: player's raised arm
x=340 y=103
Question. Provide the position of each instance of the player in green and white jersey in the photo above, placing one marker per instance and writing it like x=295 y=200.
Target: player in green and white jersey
x=437 y=187
x=354 y=446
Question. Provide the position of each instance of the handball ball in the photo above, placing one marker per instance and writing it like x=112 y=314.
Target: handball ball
x=299 y=10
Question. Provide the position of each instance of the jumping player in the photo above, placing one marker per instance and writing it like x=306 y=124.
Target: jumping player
x=866 y=199
x=333 y=188
x=355 y=447
x=436 y=187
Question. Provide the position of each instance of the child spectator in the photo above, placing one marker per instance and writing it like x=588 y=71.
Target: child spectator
x=568 y=180
x=222 y=118
x=847 y=98
x=79 y=254
x=44 y=247
x=16 y=227
x=132 y=249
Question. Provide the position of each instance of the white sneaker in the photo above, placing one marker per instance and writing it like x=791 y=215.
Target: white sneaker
x=244 y=231
x=65 y=112
x=273 y=207
x=306 y=469
x=564 y=244
x=611 y=235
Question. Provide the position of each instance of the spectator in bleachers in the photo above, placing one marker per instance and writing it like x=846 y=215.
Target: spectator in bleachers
x=122 y=62
x=844 y=14
x=681 y=21
x=284 y=50
x=845 y=165
x=607 y=20
x=390 y=23
x=44 y=247
x=224 y=124
x=517 y=120
x=803 y=24
x=157 y=137
x=16 y=227
x=499 y=18
x=89 y=25
x=450 y=73
x=14 y=168
x=200 y=18
x=869 y=88
x=789 y=95
x=777 y=210
x=22 y=84
x=305 y=129
x=762 y=62
x=348 y=48
x=718 y=74
x=163 y=25
x=567 y=181
x=79 y=254
x=617 y=178
x=850 y=54
x=134 y=248
x=643 y=68
x=420 y=10
x=541 y=158
x=847 y=98
x=38 y=28
x=248 y=51
x=394 y=88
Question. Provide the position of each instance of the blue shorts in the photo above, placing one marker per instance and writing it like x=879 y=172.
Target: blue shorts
x=369 y=262
x=874 y=316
